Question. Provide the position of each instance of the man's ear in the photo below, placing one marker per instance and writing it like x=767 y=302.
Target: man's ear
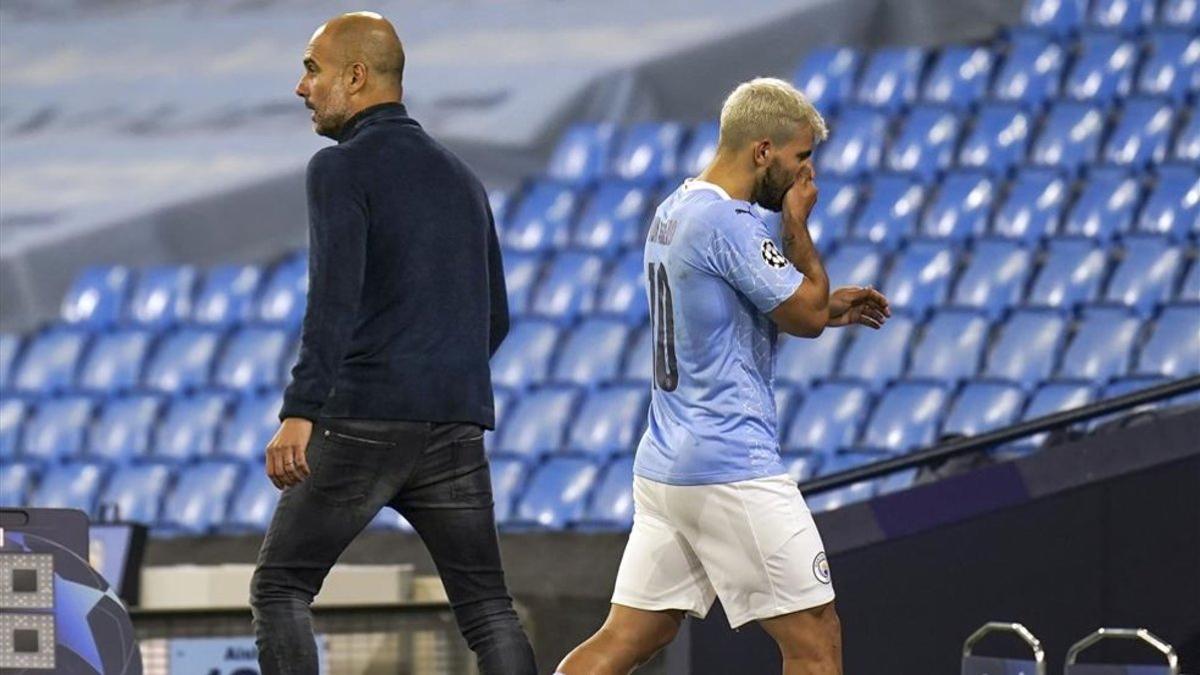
x=762 y=152
x=358 y=78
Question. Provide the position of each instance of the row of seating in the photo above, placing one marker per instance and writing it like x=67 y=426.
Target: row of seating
x=1065 y=16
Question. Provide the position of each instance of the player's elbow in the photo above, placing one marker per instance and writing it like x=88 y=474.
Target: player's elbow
x=809 y=326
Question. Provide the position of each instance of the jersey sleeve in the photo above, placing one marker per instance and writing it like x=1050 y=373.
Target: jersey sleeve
x=742 y=252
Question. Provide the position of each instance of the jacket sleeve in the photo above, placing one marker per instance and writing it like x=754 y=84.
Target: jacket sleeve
x=497 y=288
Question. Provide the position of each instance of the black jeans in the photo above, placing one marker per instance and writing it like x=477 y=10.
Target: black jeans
x=437 y=476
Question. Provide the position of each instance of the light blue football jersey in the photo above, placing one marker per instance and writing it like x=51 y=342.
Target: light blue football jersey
x=714 y=271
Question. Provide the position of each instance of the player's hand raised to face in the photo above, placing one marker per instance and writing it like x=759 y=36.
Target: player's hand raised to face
x=856 y=305
x=287 y=463
x=802 y=196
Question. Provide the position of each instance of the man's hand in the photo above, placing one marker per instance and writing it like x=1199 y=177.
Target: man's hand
x=850 y=305
x=801 y=197
x=287 y=464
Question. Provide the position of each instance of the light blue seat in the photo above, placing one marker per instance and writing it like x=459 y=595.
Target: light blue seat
x=70 y=486
x=1187 y=142
x=876 y=356
x=251 y=359
x=622 y=293
x=829 y=221
x=508 y=483
x=612 y=500
x=1173 y=348
x=1026 y=347
x=123 y=428
x=252 y=422
x=12 y=419
x=891 y=78
x=982 y=407
x=1054 y=397
x=1105 y=206
x=1056 y=17
x=995 y=278
x=1070 y=136
x=10 y=346
x=17 y=480
x=524 y=356
x=98 y=297
x=1141 y=136
x=285 y=294
x=890 y=212
x=591 y=352
x=855 y=144
x=998 y=140
x=854 y=264
x=699 y=148
x=959 y=76
x=227 y=295
x=183 y=360
x=1071 y=273
x=610 y=420
x=648 y=152
x=926 y=141
x=114 y=362
x=1172 y=66
x=538 y=424
x=254 y=501
x=582 y=153
x=961 y=208
x=1032 y=71
x=189 y=427
x=802 y=361
x=522 y=269
x=49 y=363
x=829 y=418
x=162 y=296
x=801 y=466
x=136 y=493
x=1103 y=68
x=1033 y=207
x=200 y=499
x=827 y=76
x=542 y=221
x=1102 y=347
x=57 y=429
x=557 y=492
x=920 y=276
x=906 y=417
x=638 y=364
x=1145 y=276
x=1126 y=16
x=613 y=218
x=1180 y=14
x=1173 y=206
x=861 y=491
x=952 y=346
x=569 y=287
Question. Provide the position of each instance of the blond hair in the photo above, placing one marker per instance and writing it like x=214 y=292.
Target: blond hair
x=767 y=107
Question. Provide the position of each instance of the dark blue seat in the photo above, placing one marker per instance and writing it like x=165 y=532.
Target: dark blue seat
x=920 y=276
x=890 y=213
x=253 y=502
x=10 y=346
x=1173 y=205
x=252 y=422
x=1056 y=17
x=1126 y=16
x=569 y=287
x=1054 y=397
x=1070 y=136
x=827 y=76
x=123 y=428
x=1071 y=273
x=12 y=419
x=854 y=264
x=1180 y=14
x=543 y=219
x=557 y=492
x=648 y=152
x=591 y=352
x=961 y=208
x=1173 y=348
x=98 y=296
x=1032 y=71
x=804 y=360
x=623 y=292
x=70 y=486
x=984 y=406
x=522 y=269
x=999 y=138
x=200 y=499
x=1145 y=276
x=114 y=362
x=582 y=153
x=613 y=219
x=284 y=295
x=1103 y=68
x=612 y=500
x=829 y=418
x=1105 y=206
x=855 y=146
x=1141 y=135
x=57 y=429
x=891 y=78
x=183 y=360
x=1187 y=142
x=189 y=428
x=162 y=296
x=995 y=278
x=136 y=492
x=1026 y=347
x=699 y=148
x=508 y=483
x=876 y=356
x=638 y=363
x=524 y=356
x=227 y=295
x=926 y=141
x=251 y=359
x=951 y=347
x=959 y=76
x=16 y=483
x=1170 y=67
x=829 y=221
x=49 y=362
x=538 y=425
x=1102 y=347
x=1033 y=207
x=610 y=420
x=1189 y=290
x=801 y=466
x=906 y=417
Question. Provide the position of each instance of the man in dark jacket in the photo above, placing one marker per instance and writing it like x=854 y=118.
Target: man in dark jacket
x=392 y=391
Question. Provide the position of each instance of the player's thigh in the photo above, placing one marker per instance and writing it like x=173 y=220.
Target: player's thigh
x=642 y=631
x=808 y=633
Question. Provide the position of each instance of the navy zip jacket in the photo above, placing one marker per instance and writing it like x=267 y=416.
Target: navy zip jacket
x=406 y=297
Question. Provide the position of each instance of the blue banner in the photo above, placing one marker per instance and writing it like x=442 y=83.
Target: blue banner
x=221 y=656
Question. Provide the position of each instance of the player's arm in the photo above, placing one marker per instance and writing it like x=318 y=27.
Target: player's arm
x=806 y=312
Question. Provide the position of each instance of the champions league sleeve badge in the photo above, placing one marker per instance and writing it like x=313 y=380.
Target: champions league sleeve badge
x=772 y=256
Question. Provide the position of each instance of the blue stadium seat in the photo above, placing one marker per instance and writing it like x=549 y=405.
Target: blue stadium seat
x=876 y=356
x=830 y=500
x=582 y=154
x=557 y=492
x=591 y=352
x=114 y=362
x=57 y=429
x=182 y=360
x=136 y=492
x=543 y=219
x=920 y=276
x=1026 y=347
x=253 y=501
x=961 y=208
x=1103 y=69
x=1146 y=274
x=16 y=482
x=951 y=347
x=926 y=141
x=1105 y=206
x=1171 y=67
x=1187 y=142
x=699 y=148
x=891 y=78
x=12 y=419
x=524 y=356
x=1102 y=347
x=906 y=417
x=854 y=264
x=251 y=359
x=995 y=278
x=959 y=77
x=227 y=295
x=829 y=418
x=1032 y=71
x=508 y=483
x=503 y=400
x=1140 y=137
x=1126 y=16
x=10 y=346
x=1071 y=273
x=252 y=422
x=1033 y=207
x=283 y=296
x=984 y=406
x=500 y=201
x=1173 y=349
x=827 y=76
x=613 y=219
x=829 y=221
x=623 y=293
x=1180 y=13
x=1189 y=290
x=648 y=152
x=98 y=296
x=855 y=145
x=612 y=500
x=1054 y=397
x=802 y=361
x=189 y=427
x=569 y=287
x=890 y=213
x=538 y=424
x=521 y=272
x=49 y=362
x=1173 y=206
x=1056 y=17
x=162 y=296
x=1070 y=136
x=70 y=486
x=123 y=428
x=999 y=138
x=801 y=466
x=200 y=499
x=610 y=420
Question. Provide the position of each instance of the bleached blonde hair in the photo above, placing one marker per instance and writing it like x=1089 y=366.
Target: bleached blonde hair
x=767 y=107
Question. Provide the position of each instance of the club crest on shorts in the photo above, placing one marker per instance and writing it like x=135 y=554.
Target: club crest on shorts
x=821 y=568
x=772 y=256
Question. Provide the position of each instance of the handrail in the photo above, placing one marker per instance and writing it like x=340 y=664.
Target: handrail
x=1019 y=430
x=1035 y=645
x=1140 y=634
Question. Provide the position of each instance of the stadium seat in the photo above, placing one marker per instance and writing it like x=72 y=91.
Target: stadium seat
x=1054 y=397
x=524 y=356
x=891 y=78
x=1180 y=14
x=610 y=420
x=500 y=201
x=283 y=297
x=251 y=359
x=925 y=143
x=569 y=287
x=952 y=346
x=920 y=276
x=1141 y=135
x=189 y=427
x=1126 y=16
x=98 y=297
x=612 y=500
x=1026 y=347
x=1070 y=136
x=855 y=145
x=183 y=360
x=613 y=219
x=49 y=363
x=1056 y=17
x=906 y=417
x=162 y=296
x=830 y=500
x=829 y=221
x=829 y=418
x=998 y=140
x=827 y=76
x=1105 y=206
x=982 y=407
x=961 y=208
x=253 y=501
x=538 y=424
x=1146 y=274
x=1172 y=67
x=591 y=352
x=995 y=278
x=890 y=212
x=802 y=361
x=1071 y=273
x=959 y=76
x=1102 y=347
x=582 y=154
x=648 y=152
x=557 y=492
x=854 y=264
x=1032 y=71
x=522 y=270
x=876 y=356
x=639 y=360
x=16 y=482
x=57 y=429
x=1102 y=70
x=123 y=428
x=801 y=466
x=69 y=486
x=136 y=493
x=10 y=346
x=199 y=500
x=1189 y=290
x=1173 y=348
x=623 y=293
x=227 y=295
x=508 y=482
x=1033 y=207
x=1187 y=142
x=1173 y=205
x=12 y=419
x=252 y=422
x=114 y=362
x=699 y=148
x=543 y=219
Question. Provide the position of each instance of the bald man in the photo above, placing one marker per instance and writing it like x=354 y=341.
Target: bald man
x=392 y=391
